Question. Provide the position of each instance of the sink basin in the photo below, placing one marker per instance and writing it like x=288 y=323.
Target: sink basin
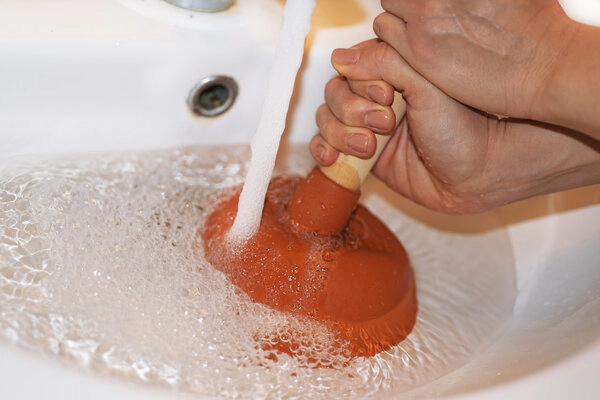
x=83 y=80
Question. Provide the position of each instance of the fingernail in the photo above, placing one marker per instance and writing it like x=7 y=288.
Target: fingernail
x=318 y=152
x=358 y=142
x=377 y=94
x=377 y=120
x=344 y=56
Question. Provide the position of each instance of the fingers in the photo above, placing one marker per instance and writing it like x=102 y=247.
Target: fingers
x=400 y=8
x=355 y=140
x=354 y=62
x=324 y=153
x=357 y=104
x=377 y=91
x=392 y=30
x=375 y=60
x=350 y=103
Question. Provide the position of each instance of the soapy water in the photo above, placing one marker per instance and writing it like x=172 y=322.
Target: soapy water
x=101 y=264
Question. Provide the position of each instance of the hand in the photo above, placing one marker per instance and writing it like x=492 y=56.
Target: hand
x=443 y=155
x=495 y=55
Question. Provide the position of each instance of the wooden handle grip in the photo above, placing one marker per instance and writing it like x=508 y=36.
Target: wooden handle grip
x=350 y=171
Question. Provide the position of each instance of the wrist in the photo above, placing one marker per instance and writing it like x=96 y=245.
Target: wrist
x=569 y=95
x=530 y=159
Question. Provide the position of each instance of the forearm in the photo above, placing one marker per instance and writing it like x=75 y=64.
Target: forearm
x=571 y=97
x=530 y=159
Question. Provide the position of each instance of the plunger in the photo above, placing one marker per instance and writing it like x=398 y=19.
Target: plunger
x=319 y=254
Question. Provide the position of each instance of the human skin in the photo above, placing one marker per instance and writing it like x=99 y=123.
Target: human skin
x=444 y=155
x=525 y=59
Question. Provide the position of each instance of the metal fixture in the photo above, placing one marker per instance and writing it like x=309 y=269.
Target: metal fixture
x=202 y=5
x=212 y=96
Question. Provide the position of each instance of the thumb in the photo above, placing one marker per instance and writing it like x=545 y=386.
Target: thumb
x=374 y=60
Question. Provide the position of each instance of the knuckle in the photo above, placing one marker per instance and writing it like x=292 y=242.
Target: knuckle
x=326 y=121
x=332 y=86
x=381 y=57
x=321 y=115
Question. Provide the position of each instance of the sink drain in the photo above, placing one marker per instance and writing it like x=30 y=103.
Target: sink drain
x=212 y=96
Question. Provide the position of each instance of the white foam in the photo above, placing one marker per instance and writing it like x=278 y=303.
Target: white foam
x=288 y=57
x=101 y=264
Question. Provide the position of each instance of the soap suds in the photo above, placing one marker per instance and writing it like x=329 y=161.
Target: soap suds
x=101 y=264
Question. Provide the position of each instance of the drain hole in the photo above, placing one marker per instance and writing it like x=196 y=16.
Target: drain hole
x=212 y=96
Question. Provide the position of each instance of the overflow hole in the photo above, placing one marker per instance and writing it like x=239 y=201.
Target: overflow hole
x=212 y=96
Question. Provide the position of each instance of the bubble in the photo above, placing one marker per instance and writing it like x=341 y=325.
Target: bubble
x=101 y=264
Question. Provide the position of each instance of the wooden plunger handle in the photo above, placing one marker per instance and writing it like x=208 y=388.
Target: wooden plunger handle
x=350 y=171
x=326 y=200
